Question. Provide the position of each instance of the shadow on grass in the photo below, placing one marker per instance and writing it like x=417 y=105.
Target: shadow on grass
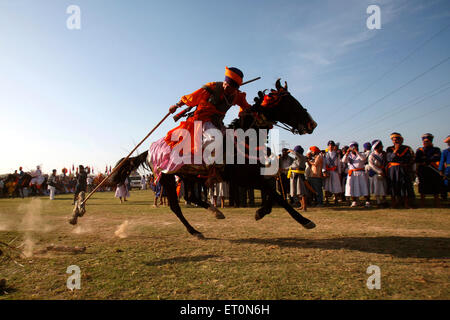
x=182 y=259
x=402 y=247
x=4 y=291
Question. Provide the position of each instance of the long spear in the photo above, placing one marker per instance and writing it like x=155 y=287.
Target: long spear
x=79 y=208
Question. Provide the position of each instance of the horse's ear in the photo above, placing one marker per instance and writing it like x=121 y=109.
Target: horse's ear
x=261 y=94
x=285 y=86
x=278 y=84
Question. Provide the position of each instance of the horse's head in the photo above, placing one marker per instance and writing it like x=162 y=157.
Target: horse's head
x=279 y=106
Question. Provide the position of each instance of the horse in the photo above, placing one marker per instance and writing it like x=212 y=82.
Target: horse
x=279 y=108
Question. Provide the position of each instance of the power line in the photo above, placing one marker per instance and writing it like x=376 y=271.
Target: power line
x=422 y=115
x=397 y=89
x=395 y=66
x=403 y=107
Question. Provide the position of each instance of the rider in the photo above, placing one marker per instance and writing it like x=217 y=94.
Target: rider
x=212 y=101
x=38 y=178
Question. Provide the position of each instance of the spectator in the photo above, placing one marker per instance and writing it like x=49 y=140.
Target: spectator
x=219 y=192
x=122 y=192
x=444 y=166
x=81 y=179
x=332 y=172
x=296 y=174
x=316 y=176
x=400 y=159
x=367 y=150
x=143 y=182
x=2 y=186
x=269 y=162
x=356 y=185
x=285 y=162
x=89 y=181
x=51 y=184
x=427 y=160
x=376 y=173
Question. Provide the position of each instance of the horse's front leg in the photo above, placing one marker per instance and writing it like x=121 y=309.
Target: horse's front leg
x=267 y=200
x=306 y=223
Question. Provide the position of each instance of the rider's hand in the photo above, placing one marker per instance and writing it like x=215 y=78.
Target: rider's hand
x=173 y=108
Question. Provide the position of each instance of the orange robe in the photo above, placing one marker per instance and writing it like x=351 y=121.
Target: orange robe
x=204 y=112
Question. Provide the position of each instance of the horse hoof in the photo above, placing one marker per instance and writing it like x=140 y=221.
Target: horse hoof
x=260 y=213
x=199 y=236
x=218 y=214
x=73 y=221
x=309 y=225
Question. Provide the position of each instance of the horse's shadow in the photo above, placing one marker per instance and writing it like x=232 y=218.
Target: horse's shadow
x=402 y=247
x=182 y=259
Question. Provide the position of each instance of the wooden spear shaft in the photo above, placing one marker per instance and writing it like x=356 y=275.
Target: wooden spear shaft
x=123 y=161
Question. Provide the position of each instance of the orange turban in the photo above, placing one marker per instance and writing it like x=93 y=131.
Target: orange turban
x=314 y=149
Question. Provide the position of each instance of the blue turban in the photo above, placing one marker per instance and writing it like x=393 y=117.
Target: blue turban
x=299 y=149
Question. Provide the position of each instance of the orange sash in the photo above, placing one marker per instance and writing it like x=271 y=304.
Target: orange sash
x=393 y=164
x=351 y=171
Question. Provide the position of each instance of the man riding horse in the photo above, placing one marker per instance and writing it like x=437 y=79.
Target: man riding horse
x=278 y=108
x=213 y=100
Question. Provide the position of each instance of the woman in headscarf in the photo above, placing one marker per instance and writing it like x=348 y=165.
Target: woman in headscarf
x=332 y=172
x=376 y=172
x=356 y=185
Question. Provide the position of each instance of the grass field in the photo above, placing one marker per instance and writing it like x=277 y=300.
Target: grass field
x=153 y=257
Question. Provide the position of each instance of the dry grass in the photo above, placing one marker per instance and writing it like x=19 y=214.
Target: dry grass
x=274 y=258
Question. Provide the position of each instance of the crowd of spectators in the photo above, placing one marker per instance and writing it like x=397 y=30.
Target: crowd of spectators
x=351 y=175
x=358 y=177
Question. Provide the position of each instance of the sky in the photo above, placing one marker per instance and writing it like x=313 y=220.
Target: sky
x=89 y=95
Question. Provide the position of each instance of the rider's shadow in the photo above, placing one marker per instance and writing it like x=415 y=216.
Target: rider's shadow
x=398 y=246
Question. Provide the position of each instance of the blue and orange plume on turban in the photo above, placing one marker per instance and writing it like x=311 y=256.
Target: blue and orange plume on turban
x=396 y=135
x=233 y=76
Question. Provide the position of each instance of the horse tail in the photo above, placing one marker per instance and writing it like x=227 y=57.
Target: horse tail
x=131 y=164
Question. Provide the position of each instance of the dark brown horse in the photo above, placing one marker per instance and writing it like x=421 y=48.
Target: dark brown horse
x=280 y=108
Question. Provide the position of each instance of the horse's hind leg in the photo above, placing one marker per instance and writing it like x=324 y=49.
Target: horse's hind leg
x=168 y=182
x=306 y=223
